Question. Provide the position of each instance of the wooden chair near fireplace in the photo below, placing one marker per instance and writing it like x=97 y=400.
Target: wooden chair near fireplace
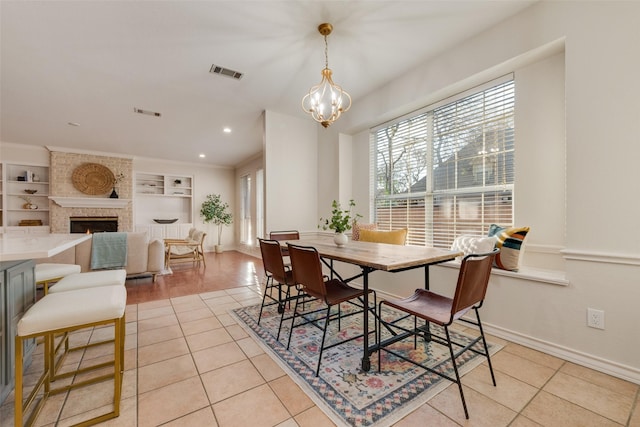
x=190 y=249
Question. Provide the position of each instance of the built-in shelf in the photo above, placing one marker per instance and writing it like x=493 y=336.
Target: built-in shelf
x=160 y=195
x=24 y=190
x=90 y=202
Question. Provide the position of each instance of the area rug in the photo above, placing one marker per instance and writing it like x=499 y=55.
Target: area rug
x=348 y=395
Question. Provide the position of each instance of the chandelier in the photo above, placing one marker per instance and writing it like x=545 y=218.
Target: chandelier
x=326 y=101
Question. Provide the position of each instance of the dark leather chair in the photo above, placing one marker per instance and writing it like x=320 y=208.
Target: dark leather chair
x=431 y=307
x=285 y=235
x=307 y=272
x=278 y=275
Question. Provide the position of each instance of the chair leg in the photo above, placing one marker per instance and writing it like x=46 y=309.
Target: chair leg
x=486 y=348
x=293 y=319
x=379 y=331
x=264 y=296
x=324 y=334
x=287 y=298
x=455 y=369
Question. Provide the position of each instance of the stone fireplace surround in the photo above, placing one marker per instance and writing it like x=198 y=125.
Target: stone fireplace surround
x=63 y=163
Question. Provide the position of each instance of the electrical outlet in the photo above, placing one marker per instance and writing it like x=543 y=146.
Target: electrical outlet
x=595 y=318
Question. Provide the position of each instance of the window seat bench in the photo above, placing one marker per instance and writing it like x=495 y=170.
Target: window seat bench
x=532 y=274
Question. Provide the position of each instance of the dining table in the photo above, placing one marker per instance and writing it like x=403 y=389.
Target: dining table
x=371 y=257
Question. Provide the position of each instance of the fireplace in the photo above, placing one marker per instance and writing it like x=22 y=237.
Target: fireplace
x=93 y=224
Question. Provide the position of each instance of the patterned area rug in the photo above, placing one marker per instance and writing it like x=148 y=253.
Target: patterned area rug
x=348 y=395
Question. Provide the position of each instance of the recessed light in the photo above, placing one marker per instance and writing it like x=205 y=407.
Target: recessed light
x=202 y=156
x=226 y=130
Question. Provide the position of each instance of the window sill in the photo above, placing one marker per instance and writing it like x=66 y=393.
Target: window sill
x=552 y=277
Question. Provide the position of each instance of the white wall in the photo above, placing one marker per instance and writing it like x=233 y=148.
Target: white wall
x=250 y=168
x=24 y=154
x=291 y=173
x=576 y=66
x=207 y=180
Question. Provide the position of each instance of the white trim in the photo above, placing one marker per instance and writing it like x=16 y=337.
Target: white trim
x=608 y=258
x=90 y=152
x=90 y=202
x=618 y=370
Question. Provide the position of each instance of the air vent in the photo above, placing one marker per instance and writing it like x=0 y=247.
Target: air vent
x=216 y=69
x=147 y=112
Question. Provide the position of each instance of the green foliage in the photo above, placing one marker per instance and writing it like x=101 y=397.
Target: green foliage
x=216 y=212
x=340 y=220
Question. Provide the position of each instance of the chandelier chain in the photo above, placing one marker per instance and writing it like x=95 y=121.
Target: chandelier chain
x=326 y=53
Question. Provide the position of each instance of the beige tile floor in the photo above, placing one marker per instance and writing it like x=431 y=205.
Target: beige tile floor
x=189 y=364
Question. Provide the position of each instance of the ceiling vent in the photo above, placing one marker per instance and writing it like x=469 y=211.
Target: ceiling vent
x=147 y=112
x=216 y=69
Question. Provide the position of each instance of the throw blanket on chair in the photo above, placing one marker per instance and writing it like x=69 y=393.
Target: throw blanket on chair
x=108 y=250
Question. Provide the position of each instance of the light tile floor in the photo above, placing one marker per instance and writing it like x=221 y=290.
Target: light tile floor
x=189 y=364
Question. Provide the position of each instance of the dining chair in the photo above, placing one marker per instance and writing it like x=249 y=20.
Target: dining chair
x=278 y=275
x=284 y=235
x=307 y=272
x=473 y=279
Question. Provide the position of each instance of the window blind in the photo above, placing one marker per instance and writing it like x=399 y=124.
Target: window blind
x=449 y=170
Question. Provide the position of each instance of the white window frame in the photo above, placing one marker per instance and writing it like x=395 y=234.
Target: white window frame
x=487 y=192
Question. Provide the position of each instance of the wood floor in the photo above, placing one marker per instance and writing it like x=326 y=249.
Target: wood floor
x=226 y=270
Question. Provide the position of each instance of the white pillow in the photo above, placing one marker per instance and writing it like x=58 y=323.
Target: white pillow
x=473 y=245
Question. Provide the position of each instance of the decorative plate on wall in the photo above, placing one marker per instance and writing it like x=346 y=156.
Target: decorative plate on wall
x=93 y=178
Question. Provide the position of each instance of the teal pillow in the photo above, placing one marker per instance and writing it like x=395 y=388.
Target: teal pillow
x=509 y=240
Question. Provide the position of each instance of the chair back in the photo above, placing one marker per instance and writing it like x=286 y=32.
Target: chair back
x=473 y=280
x=272 y=260
x=307 y=270
x=285 y=235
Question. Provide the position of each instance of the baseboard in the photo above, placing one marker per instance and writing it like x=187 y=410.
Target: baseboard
x=609 y=367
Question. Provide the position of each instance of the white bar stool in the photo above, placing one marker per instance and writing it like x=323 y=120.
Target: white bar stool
x=66 y=312
x=48 y=273
x=90 y=279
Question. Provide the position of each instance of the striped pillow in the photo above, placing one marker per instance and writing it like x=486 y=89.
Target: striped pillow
x=509 y=241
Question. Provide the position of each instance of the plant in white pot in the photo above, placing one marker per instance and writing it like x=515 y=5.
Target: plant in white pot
x=213 y=210
x=340 y=221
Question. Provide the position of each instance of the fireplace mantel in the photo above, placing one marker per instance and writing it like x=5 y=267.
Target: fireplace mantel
x=90 y=202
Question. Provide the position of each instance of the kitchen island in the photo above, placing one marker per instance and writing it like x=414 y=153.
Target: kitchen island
x=18 y=291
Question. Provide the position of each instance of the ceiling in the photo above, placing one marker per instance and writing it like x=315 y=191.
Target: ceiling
x=72 y=72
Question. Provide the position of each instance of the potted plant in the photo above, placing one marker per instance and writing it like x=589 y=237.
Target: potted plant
x=340 y=221
x=213 y=210
x=117 y=178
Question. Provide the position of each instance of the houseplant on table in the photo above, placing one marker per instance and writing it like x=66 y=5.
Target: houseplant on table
x=340 y=221
x=213 y=210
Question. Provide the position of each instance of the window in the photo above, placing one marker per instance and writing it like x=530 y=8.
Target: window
x=260 y=202
x=448 y=169
x=245 y=210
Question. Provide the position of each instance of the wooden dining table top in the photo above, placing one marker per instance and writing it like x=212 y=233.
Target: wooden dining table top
x=378 y=256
